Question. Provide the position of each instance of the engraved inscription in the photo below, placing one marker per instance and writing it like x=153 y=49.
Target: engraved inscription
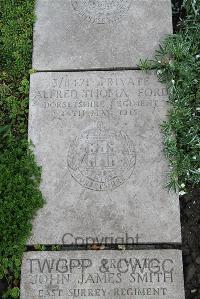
x=138 y=275
x=101 y=158
x=105 y=96
x=101 y=11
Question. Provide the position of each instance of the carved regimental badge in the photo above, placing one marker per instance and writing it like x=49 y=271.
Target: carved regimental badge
x=101 y=11
x=101 y=158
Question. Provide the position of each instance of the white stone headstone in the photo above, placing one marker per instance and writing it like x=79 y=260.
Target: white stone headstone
x=97 y=137
x=84 y=34
x=146 y=274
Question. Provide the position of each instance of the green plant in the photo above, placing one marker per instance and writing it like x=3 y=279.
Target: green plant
x=20 y=196
x=145 y=65
x=40 y=247
x=178 y=66
x=193 y=8
x=56 y=247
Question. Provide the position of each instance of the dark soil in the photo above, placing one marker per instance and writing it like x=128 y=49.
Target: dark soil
x=178 y=13
x=190 y=219
x=3 y=286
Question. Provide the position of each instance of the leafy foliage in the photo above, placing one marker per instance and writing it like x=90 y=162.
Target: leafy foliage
x=20 y=197
x=178 y=66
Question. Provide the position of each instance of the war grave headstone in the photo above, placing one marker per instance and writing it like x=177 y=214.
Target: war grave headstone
x=85 y=34
x=146 y=274
x=97 y=137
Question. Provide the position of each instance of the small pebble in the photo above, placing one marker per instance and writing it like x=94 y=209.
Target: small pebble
x=122 y=247
x=198 y=260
